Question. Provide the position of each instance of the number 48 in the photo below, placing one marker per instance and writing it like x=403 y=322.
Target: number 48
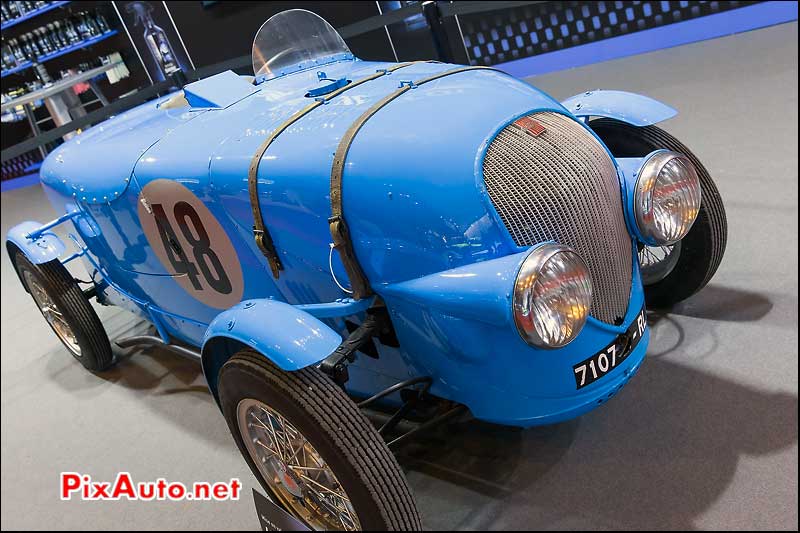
x=204 y=256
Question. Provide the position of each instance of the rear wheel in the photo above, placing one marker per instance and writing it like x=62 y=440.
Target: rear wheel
x=671 y=274
x=311 y=448
x=67 y=311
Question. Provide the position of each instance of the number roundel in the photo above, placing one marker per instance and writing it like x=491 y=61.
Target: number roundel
x=190 y=243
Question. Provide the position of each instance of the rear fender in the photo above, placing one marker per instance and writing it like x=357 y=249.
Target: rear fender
x=632 y=108
x=289 y=336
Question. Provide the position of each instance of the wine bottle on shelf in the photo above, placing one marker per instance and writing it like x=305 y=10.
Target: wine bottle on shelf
x=43 y=41
x=13 y=10
x=39 y=44
x=9 y=61
x=13 y=47
x=28 y=48
x=54 y=36
x=91 y=24
x=157 y=42
x=72 y=34
x=102 y=23
x=60 y=35
x=80 y=26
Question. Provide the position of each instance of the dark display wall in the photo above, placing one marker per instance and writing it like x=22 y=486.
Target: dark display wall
x=179 y=39
x=505 y=35
x=118 y=42
x=76 y=57
x=217 y=31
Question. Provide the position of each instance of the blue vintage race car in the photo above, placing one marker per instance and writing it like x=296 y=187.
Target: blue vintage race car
x=334 y=234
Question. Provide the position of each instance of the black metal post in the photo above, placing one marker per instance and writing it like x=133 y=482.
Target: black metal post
x=438 y=33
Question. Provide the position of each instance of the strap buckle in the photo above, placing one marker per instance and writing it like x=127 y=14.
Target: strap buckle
x=268 y=249
x=335 y=219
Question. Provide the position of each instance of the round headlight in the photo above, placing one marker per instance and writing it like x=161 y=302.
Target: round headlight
x=552 y=296
x=667 y=198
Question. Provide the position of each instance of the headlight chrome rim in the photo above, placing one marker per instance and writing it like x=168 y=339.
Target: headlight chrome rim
x=651 y=231
x=531 y=272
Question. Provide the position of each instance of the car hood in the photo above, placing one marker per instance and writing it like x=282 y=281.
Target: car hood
x=96 y=166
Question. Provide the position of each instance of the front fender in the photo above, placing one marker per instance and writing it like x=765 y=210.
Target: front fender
x=289 y=337
x=632 y=108
x=46 y=247
x=479 y=291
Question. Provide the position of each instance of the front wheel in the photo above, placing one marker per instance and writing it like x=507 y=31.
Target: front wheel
x=311 y=448
x=67 y=311
x=673 y=273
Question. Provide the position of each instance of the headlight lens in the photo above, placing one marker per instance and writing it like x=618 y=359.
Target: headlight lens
x=667 y=198
x=552 y=296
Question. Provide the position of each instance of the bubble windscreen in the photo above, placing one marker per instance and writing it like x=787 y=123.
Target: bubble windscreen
x=551 y=180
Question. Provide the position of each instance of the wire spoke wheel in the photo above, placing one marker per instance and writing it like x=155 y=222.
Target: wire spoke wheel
x=671 y=276
x=67 y=310
x=294 y=469
x=657 y=262
x=311 y=449
x=52 y=314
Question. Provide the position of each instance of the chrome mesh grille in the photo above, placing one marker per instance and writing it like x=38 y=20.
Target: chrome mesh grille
x=559 y=184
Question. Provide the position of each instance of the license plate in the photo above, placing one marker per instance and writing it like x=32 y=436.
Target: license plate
x=273 y=518
x=588 y=371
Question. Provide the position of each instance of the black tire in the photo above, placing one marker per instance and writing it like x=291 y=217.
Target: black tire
x=59 y=285
x=332 y=424
x=702 y=249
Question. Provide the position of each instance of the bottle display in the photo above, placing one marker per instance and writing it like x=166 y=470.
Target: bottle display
x=157 y=42
x=49 y=38
x=12 y=10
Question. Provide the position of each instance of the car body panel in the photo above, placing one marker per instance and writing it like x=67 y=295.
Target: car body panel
x=427 y=236
x=294 y=339
x=114 y=147
x=460 y=344
x=218 y=91
x=635 y=109
x=431 y=232
x=46 y=247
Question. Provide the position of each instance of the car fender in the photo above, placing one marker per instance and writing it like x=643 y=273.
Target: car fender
x=47 y=246
x=479 y=291
x=288 y=336
x=635 y=109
